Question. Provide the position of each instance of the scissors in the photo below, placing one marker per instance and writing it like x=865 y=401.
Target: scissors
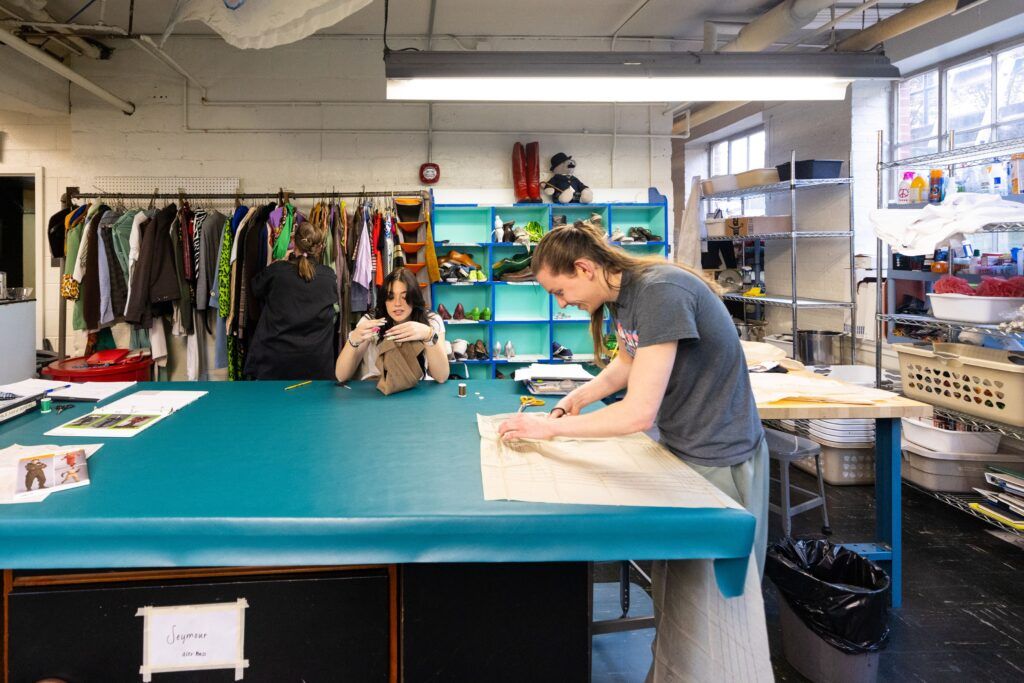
x=525 y=401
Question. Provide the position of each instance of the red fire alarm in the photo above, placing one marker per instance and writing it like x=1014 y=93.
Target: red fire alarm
x=430 y=174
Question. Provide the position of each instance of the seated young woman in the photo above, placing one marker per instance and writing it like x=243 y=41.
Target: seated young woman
x=294 y=338
x=401 y=316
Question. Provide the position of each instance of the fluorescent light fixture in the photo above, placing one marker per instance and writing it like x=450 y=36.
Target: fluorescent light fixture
x=628 y=76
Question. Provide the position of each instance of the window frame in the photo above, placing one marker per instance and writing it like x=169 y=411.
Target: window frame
x=942 y=69
x=728 y=141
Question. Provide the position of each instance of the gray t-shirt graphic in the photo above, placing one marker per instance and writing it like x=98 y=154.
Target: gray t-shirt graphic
x=708 y=416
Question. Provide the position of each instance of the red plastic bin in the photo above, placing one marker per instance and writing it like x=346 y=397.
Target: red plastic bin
x=132 y=369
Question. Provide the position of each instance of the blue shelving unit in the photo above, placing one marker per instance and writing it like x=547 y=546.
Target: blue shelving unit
x=524 y=313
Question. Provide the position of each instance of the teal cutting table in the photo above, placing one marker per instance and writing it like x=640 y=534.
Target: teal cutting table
x=253 y=475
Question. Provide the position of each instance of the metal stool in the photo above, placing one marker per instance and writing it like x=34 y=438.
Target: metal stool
x=787 y=448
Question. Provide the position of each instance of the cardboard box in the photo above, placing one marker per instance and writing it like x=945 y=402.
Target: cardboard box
x=743 y=226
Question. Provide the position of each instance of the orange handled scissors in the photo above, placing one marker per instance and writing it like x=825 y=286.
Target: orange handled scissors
x=525 y=401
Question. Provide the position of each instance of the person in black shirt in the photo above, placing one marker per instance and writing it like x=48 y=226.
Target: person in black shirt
x=294 y=338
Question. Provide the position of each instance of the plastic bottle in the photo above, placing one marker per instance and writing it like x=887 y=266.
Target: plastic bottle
x=918 y=190
x=997 y=184
x=903 y=195
x=935 y=193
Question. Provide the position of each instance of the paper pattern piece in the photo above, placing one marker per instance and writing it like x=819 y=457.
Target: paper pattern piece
x=193 y=638
x=91 y=391
x=11 y=472
x=625 y=470
x=772 y=387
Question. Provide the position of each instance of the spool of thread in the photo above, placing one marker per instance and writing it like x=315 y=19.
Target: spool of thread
x=44 y=404
x=462 y=390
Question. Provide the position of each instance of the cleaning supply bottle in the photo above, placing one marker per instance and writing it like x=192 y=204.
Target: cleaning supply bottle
x=918 y=190
x=903 y=195
x=997 y=184
x=935 y=193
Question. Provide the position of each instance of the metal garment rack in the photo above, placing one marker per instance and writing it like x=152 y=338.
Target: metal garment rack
x=72 y=193
x=794 y=302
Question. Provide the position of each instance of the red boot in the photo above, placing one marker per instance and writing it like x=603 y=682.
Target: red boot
x=533 y=171
x=519 y=185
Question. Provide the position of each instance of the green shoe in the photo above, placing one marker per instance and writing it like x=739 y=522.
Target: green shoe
x=485 y=314
x=474 y=314
x=512 y=264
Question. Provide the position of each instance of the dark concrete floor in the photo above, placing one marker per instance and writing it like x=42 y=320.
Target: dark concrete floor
x=962 y=618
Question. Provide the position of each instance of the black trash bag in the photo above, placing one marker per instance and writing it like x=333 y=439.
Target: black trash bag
x=838 y=594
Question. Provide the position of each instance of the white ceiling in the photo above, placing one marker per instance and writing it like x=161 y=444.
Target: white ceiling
x=681 y=19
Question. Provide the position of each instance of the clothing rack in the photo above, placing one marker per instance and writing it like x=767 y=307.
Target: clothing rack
x=72 y=193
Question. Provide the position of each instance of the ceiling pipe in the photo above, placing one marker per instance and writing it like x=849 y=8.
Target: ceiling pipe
x=774 y=24
x=37 y=55
x=898 y=24
x=31 y=9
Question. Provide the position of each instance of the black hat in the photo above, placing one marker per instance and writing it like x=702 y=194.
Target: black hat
x=559 y=159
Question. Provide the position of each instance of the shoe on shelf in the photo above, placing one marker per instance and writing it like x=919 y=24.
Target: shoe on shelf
x=510 y=351
x=642 y=234
x=454 y=272
x=443 y=312
x=524 y=275
x=619 y=236
x=479 y=275
x=474 y=314
x=458 y=257
x=508 y=234
x=460 y=313
x=559 y=220
x=485 y=314
x=480 y=348
x=512 y=264
x=497 y=349
x=560 y=352
x=498 y=374
x=596 y=219
x=459 y=349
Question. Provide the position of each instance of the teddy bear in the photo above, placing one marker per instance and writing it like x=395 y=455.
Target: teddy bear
x=563 y=187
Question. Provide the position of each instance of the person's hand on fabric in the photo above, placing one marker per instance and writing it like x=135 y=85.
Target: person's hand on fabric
x=366 y=328
x=571 y=404
x=523 y=426
x=410 y=331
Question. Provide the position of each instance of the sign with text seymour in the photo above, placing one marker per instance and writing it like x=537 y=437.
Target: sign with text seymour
x=193 y=638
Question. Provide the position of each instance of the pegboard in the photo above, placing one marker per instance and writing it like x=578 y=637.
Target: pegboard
x=192 y=185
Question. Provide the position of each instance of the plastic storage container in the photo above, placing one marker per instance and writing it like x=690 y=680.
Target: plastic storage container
x=988 y=383
x=951 y=471
x=843 y=466
x=923 y=433
x=812 y=169
x=719 y=183
x=974 y=309
x=757 y=176
x=133 y=369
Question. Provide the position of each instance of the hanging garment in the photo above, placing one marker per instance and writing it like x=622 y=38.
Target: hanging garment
x=69 y=286
x=283 y=220
x=211 y=231
x=106 y=318
x=196 y=234
x=117 y=288
x=56 y=231
x=183 y=305
x=120 y=233
x=294 y=338
x=362 y=273
x=89 y=260
x=135 y=242
x=154 y=279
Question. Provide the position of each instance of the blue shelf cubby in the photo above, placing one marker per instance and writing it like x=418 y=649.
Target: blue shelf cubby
x=524 y=312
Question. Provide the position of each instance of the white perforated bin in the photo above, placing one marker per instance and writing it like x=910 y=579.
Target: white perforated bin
x=988 y=383
x=843 y=466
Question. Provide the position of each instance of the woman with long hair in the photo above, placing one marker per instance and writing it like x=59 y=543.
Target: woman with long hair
x=682 y=366
x=294 y=338
x=401 y=316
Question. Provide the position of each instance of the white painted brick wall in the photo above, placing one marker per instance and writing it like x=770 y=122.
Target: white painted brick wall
x=97 y=140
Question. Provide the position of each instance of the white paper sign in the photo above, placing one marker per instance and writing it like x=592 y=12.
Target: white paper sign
x=193 y=638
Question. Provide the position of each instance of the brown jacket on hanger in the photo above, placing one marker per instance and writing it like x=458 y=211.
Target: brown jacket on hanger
x=399 y=366
x=155 y=280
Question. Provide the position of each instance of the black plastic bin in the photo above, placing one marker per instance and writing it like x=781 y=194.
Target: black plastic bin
x=812 y=169
x=834 y=609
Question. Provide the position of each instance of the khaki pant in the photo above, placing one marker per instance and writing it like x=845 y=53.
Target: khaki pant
x=701 y=635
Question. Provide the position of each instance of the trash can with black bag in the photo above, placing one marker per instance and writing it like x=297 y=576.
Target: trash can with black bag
x=834 y=609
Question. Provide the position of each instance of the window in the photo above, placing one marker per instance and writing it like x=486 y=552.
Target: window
x=734 y=155
x=979 y=100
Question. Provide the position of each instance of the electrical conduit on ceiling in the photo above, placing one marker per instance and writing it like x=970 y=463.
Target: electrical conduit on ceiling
x=52 y=64
x=913 y=17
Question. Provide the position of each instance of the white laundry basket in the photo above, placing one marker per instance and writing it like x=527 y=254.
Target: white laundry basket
x=988 y=383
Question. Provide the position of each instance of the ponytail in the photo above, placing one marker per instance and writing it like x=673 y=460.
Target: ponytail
x=559 y=249
x=309 y=242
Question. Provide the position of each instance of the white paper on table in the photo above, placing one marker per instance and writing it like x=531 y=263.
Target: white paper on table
x=31 y=387
x=771 y=387
x=9 y=458
x=624 y=470
x=553 y=371
x=153 y=401
x=137 y=412
x=91 y=391
x=193 y=638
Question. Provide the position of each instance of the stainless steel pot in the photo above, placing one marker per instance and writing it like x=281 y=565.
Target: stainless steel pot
x=821 y=347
